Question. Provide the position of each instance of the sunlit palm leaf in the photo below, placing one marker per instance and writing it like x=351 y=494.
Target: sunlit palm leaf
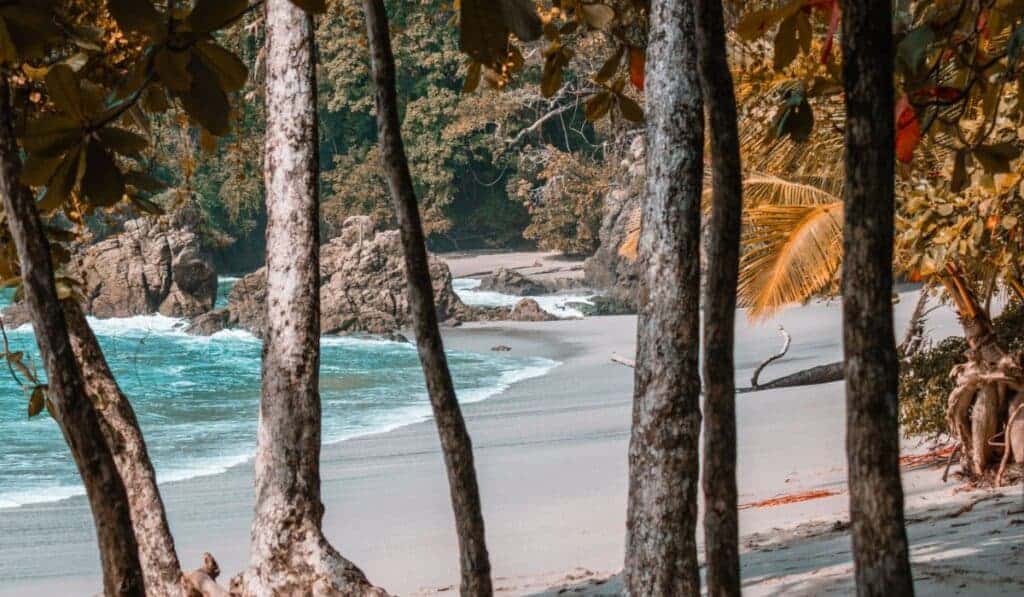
x=791 y=253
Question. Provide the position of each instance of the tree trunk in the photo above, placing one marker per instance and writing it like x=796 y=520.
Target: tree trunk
x=721 y=518
x=661 y=520
x=160 y=567
x=872 y=368
x=288 y=552
x=455 y=441
x=74 y=412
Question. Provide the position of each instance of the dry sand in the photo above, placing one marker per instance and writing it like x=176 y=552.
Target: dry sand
x=551 y=455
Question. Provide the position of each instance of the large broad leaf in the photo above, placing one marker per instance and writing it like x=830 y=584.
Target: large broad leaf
x=37 y=170
x=481 y=35
x=996 y=158
x=138 y=16
x=103 y=183
x=64 y=91
x=786 y=46
x=172 y=68
x=31 y=27
x=230 y=70
x=51 y=135
x=8 y=52
x=211 y=15
x=121 y=141
x=62 y=182
x=317 y=7
x=913 y=48
x=521 y=18
x=795 y=119
x=144 y=182
x=206 y=102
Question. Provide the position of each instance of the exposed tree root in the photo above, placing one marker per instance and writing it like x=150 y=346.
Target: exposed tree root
x=307 y=565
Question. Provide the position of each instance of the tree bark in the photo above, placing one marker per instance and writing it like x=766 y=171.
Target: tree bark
x=160 y=567
x=881 y=562
x=289 y=554
x=721 y=518
x=455 y=441
x=67 y=393
x=661 y=520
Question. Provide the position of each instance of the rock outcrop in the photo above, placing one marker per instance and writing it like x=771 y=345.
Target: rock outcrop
x=156 y=265
x=612 y=267
x=362 y=288
x=530 y=310
x=508 y=281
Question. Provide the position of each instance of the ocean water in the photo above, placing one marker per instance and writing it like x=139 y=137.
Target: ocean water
x=557 y=304
x=197 y=398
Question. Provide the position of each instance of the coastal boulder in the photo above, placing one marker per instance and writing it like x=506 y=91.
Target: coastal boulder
x=508 y=281
x=362 y=288
x=530 y=310
x=155 y=265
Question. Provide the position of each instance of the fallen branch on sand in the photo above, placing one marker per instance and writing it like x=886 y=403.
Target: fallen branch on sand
x=794 y=498
x=624 y=361
x=786 y=340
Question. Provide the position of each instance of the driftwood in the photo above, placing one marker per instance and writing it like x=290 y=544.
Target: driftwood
x=807 y=377
x=786 y=341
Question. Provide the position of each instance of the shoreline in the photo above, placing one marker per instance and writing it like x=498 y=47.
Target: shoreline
x=551 y=456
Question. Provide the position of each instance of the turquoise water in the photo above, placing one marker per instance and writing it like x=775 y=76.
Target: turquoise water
x=197 y=398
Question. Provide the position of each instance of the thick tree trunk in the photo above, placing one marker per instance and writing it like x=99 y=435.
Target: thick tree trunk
x=288 y=551
x=721 y=519
x=67 y=394
x=872 y=368
x=661 y=520
x=455 y=441
x=160 y=567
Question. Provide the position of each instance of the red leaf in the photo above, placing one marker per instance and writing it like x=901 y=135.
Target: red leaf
x=908 y=130
x=835 y=15
x=636 y=67
x=940 y=92
x=982 y=25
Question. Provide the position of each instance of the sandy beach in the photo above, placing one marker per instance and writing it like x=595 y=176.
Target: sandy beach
x=551 y=455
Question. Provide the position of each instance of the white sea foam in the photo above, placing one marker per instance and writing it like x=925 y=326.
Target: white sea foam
x=556 y=304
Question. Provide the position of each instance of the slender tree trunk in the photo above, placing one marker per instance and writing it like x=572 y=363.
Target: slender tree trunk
x=872 y=368
x=289 y=553
x=67 y=394
x=455 y=441
x=160 y=567
x=721 y=518
x=661 y=521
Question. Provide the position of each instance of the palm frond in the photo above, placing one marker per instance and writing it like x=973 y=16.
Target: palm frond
x=765 y=189
x=791 y=253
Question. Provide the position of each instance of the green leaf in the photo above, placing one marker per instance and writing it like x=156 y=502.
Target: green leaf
x=51 y=135
x=138 y=16
x=598 y=16
x=230 y=70
x=598 y=105
x=317 y=7
x=786 y=47
x=155 y=100
x=103 y=183
x=631 y=110
x=995 y=159
x=38 y=169
x=172 y=68
x=211 y=15
x=37 y=402
x=61 y=183
x=913 y=48
x=610 y=66
x=147 y=206
x=8 y=53
x=472 y=77
x=206 y=102
x=144 y=182
x=122 y=141
x=64 y=90
x=521 y=18
x=795 y=119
